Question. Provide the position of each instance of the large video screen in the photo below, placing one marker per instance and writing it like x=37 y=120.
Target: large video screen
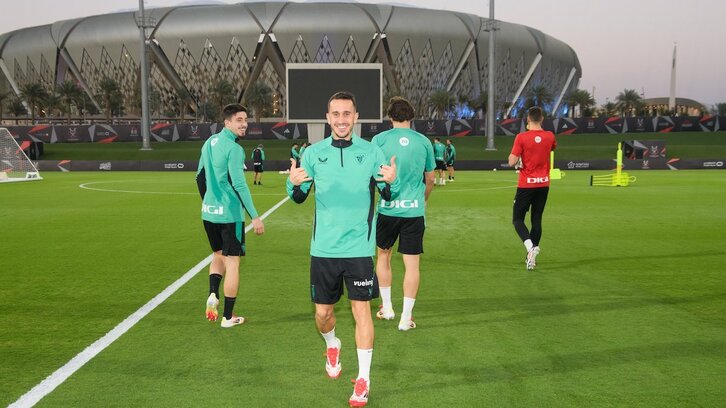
x=310 y=86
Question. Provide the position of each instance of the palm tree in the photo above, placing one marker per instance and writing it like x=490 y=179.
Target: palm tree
x=52 y=104
x=33 y=93
x=610 y=109
x=222 y=93
x=259 y=97
x=481 y=104
x=69 y=93
x=110 y=95
x=582 y=99
x=17 y=108
x=442 y=101
x=538 y=95
x=628 y=101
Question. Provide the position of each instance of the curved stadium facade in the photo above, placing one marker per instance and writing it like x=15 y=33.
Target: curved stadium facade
x=193 y=47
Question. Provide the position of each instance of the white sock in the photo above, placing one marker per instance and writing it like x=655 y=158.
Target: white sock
x=443 y=181
x=407 y=308
x=528 y=244
x=330 y=339
x=386 y=298
x=364 y=363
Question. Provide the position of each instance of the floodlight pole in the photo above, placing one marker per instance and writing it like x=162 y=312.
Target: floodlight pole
x=145 y=125
x=490 y=91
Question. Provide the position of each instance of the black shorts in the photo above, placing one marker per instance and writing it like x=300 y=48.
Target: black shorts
x=440 y=165
x=228 y=238
x=450 y=163
x=259 y=168
x=526 y=198
x=411 y=231
x=328 y=274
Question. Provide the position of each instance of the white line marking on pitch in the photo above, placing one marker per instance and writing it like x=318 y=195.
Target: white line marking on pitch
x=85 y=186
x=46 y=386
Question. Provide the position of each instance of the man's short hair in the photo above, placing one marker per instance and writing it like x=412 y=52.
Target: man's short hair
x=436 y=139
x=259 y=145
x=344 y=95
x=232 y=109
x=535 y=114
x=400 y=110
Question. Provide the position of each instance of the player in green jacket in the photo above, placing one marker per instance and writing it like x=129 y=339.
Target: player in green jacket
x=225 y=199
x=439 y=152
x=450 y=158
x=346 y=170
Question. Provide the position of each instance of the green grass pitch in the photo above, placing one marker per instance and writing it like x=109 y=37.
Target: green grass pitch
x=627 y=306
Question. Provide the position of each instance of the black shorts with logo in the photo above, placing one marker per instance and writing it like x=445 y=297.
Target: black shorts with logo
x=259 y=168
x=440 y=165
x=328 y=274
x=411 y=231
x=228 y=238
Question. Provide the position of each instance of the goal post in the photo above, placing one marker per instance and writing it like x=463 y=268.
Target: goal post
x=14 y=163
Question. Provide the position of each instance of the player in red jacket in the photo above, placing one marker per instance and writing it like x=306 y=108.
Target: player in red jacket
x=531 y=154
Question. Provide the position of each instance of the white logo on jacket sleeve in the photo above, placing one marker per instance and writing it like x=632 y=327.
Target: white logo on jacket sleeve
x=214 y=141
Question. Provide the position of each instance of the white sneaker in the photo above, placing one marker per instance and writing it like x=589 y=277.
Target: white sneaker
x=406 y=324
x=212 y=303
x=385 y=314
x=234 y=321
x=332 y=360
x=360 y=393
x=531 y=260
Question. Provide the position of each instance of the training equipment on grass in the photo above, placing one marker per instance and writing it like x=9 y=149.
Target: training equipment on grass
x=555 y=174
x=14 y=163
x=617 y=179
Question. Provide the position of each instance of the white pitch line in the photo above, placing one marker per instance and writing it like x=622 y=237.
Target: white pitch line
x=85 y=186
x=46 y=386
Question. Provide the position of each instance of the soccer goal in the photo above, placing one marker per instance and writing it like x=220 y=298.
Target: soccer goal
x=14 y=163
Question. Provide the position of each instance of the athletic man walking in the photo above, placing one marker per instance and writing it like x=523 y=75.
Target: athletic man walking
x=403 y=217
x=346 y=171
x=531 y=153
x=440 y=164
x=225 y=199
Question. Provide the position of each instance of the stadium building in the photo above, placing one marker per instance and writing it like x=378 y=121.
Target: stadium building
x=192 y=48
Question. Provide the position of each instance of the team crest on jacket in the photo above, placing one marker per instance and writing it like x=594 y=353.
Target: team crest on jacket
x=360 y=158
x=323 y=160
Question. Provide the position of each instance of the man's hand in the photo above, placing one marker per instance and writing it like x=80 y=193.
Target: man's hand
x=258 y=226
x=298 y=175
x=388 y=173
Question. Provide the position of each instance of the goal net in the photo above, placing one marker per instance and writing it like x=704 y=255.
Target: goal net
x=14 y=163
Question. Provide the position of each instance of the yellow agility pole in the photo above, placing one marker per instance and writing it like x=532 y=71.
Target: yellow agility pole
x=619 y=179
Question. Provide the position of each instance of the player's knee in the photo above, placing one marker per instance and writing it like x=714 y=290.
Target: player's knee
x=324 y=314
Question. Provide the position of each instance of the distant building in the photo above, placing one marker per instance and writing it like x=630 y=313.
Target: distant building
x=192 y=48
x=684 y=106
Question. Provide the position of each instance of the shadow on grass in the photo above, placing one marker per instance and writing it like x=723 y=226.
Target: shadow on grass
x=529 y=307
x=554 y=364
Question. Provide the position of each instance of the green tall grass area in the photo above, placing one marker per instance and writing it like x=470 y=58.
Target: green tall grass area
x=627 y=305
x=682 y=145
